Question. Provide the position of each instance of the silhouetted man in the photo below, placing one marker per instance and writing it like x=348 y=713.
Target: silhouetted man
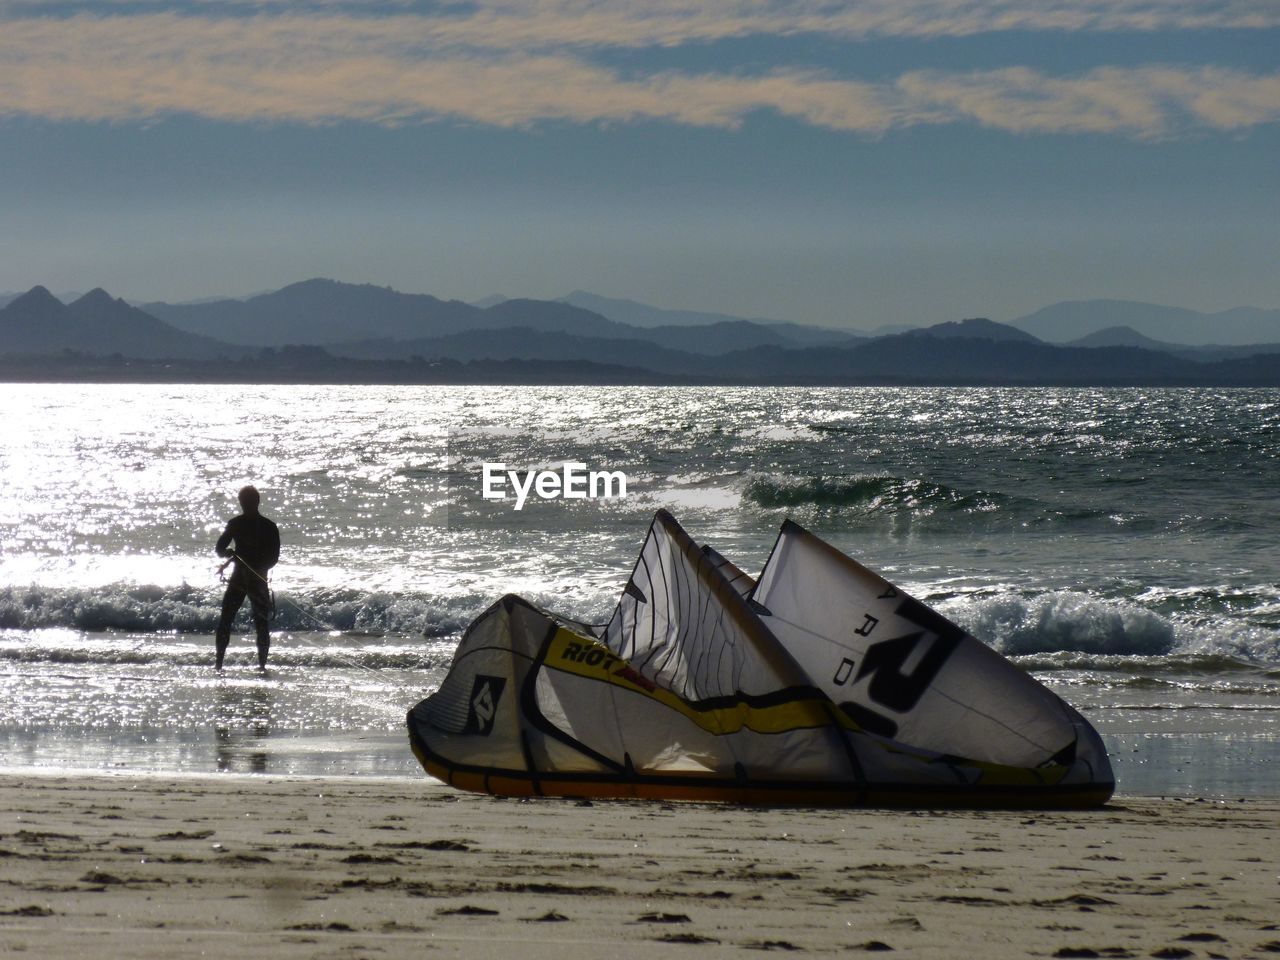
x=256 y=550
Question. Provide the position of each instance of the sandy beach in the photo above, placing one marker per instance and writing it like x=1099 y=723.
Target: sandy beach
x=244 y=866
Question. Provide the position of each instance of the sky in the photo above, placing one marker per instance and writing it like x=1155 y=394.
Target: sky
x=846 y=163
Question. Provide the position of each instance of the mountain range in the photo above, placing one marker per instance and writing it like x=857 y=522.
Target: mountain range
x=327 y=312
x=363 y=325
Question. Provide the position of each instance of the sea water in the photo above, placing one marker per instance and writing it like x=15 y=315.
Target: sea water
x=1120 y=544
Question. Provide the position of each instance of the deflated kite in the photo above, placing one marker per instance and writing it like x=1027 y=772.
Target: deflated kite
x=820 y=683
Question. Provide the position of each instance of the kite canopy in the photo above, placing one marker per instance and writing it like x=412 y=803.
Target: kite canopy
x=820 y=683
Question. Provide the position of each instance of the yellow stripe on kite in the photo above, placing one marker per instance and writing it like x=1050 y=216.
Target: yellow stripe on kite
x=583 y=657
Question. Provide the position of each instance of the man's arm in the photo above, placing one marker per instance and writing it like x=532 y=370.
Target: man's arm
x=271 y=552
x=223 y=547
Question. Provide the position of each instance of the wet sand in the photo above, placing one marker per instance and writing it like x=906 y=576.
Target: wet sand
x=242 y=866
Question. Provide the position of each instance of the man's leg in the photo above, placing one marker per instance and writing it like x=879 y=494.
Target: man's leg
x=231 y=601
x=260 y=601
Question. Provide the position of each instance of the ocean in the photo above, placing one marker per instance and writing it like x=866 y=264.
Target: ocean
x=1123 y=545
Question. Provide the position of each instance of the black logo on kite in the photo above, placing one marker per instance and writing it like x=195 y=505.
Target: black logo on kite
x=483 y=706
x=890 y=686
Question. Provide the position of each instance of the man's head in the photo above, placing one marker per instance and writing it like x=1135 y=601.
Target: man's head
x=249 y=499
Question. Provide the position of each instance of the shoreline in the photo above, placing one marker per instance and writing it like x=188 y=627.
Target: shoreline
x=1154 y=763
x=141 y=865
x=10 y=773
x=1263 y=374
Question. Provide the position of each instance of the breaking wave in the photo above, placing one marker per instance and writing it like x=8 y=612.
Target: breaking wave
x=1065 y=630
x=1067 y=621
x=186 y=609
x=1055 y=630
x=867 y=493
x=896 y=498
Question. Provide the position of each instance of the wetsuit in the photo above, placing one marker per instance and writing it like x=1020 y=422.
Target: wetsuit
x=257 y=548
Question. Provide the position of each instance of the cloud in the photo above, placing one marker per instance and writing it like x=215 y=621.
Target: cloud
x=320 y=68
x=1142 y=102
x=521 y=24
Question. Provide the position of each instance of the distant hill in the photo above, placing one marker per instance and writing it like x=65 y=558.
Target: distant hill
x=1123 y=337
x=728 y=335
x=1070 y=321
x=550 y=315
x=977 y=328
x=643 y=315
x=8 y=296
x=318 y=311
x=1128 y=337
x=638 y=314
x=39 y=323
x=36 y=322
